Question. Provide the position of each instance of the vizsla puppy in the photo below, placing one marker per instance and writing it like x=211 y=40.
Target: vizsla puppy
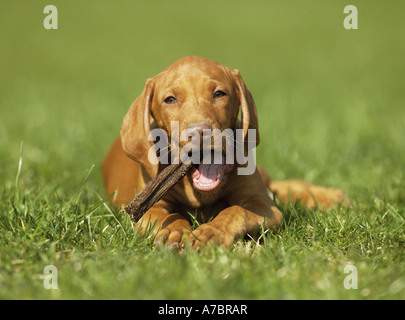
x=201 y=95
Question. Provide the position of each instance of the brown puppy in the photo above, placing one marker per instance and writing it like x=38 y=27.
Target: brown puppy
x=200 y=94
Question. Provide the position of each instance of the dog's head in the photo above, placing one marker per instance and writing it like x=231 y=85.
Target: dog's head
x=198 y=94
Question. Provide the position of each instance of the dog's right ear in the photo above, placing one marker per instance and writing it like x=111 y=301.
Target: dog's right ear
x=135 y=130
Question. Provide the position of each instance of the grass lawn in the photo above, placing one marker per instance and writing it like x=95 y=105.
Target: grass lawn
x=331 y=105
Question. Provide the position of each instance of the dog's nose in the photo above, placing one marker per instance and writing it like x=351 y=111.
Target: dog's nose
x=197 y=128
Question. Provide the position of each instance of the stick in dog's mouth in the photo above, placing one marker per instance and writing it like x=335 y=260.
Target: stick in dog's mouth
x=206 y=176
x=155 y=189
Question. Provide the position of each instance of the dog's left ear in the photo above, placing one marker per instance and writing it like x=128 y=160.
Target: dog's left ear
x=249 y=113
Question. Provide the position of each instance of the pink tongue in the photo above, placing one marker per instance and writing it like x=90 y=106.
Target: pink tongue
x=209 y=173
x=208 y=176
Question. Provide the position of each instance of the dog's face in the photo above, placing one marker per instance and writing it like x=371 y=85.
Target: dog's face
x=198 y=94
x=195 y=92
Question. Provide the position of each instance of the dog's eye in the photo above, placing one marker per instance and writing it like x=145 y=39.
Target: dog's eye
x=170 y=100
x=219 y=94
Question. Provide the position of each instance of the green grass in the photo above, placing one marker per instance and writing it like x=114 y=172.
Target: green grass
x=331 y=110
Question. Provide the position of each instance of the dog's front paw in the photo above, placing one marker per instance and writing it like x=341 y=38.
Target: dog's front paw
x=171 y=237
x=210 y=234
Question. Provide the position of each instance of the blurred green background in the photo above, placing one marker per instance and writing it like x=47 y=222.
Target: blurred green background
x=331 y=105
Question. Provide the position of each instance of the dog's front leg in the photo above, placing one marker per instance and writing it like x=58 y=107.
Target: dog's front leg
x=236 y=221
x=168 y=228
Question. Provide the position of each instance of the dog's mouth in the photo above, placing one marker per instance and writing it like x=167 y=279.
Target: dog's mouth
x=209 y=174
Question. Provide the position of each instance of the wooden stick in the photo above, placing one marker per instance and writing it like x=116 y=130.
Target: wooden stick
x=155 y=189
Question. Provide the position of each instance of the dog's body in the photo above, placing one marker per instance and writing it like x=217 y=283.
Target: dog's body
x=200 y=94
